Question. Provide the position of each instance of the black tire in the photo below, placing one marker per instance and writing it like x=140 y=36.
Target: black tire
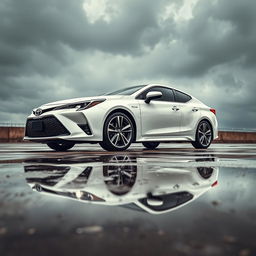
x=204 y=135
x=120 y=174
x=61 y=146
x=117 y=135
x=150 y=145
x=205 y=172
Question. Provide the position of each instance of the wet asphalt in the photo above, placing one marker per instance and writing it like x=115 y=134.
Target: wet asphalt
x=171 y=201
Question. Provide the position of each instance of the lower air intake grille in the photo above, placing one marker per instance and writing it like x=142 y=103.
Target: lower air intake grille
x=85 y=128
x=45 y=127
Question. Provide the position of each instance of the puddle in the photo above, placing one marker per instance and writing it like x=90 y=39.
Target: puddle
x=143 y=184
x=179 y=203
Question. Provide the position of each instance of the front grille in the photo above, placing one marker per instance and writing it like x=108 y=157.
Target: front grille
x=50 y=126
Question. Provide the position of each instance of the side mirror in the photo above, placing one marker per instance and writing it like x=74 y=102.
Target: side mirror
x=154 y=201
x=152 y=95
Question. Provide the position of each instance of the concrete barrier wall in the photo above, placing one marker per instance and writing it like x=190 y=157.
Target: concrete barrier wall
x=15 y=134
x=236 y=137
x=11 y=134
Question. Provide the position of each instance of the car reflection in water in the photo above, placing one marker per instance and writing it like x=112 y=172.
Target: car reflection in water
x=139 y=183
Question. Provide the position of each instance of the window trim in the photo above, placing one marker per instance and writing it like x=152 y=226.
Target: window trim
x=183 y=93
x=137 y=97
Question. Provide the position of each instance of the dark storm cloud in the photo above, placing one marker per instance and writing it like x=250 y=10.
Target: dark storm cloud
x=48 y=23
x=51 y=50
x=220 y=33
x=35 y=35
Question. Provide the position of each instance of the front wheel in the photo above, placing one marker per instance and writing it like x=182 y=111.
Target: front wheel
x=60 y=146
x=203 y=135
x=150 y=145
x=118 y=132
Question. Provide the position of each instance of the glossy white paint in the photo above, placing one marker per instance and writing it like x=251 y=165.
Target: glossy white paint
x=156 y=121
x=159 y=120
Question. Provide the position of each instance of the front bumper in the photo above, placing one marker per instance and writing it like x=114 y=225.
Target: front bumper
x=48 y=126
x=62 y=125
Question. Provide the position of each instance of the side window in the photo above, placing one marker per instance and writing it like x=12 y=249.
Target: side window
x=181 y=97
x=167 y=94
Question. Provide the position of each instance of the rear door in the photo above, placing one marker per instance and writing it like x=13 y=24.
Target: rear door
x=190 y=113
x=161 y=117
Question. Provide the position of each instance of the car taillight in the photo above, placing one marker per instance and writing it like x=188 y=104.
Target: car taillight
x=213 y=111
x=215 y=183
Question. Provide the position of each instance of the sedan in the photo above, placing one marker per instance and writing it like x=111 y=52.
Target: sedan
x=147 y=114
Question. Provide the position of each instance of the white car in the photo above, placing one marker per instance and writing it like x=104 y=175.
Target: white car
x=139 y=183
x=149 y=114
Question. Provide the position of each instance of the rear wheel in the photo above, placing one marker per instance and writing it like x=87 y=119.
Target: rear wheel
x=150 y=145
x=61 y=146
x=203 y=135
x=118 y=132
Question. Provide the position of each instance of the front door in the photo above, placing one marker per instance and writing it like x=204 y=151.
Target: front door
x=161 y=117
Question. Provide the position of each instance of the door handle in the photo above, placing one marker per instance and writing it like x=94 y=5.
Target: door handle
x=194 y=109
x=175 y=108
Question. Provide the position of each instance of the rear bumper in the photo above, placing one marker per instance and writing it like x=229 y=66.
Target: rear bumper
x=215 y=129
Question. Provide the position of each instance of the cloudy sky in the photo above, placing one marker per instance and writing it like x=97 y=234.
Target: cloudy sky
x=59 y=49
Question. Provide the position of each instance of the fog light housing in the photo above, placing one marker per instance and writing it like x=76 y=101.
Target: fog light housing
x=85 y=128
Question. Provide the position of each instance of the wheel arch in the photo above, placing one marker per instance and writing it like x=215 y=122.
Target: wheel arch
x=128 y=113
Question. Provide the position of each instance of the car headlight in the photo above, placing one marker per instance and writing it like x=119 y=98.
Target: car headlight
x=81 y=105
x=90 y=104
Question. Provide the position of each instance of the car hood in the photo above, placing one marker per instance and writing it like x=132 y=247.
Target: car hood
x=76 y=100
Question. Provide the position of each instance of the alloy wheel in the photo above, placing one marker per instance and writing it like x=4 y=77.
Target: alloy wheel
x=119 y=131
x=205 y=134
x=120 y=174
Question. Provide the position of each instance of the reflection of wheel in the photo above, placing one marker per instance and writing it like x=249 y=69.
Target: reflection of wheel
x=205 y=172
x=120 y=176
x=61 y=146
x=118 y=132
x=120 y=159
x=150 y=145
x=203 y=135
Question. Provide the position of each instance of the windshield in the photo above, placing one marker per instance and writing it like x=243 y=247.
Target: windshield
x=126 y=91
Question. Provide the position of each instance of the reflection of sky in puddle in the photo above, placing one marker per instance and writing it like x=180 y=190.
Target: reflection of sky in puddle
x=139 y=183
x=84 y=195
x=84 y=191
